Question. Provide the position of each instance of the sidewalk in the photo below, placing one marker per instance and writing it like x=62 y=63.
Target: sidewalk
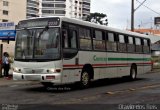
x=10 y=81
x=4 y=81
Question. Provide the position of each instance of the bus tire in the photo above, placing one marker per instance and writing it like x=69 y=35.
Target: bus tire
x=85 y=79
x=133 y=73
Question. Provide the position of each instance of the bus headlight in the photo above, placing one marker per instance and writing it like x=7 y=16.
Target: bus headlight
x=55 y=70
x=17 y=70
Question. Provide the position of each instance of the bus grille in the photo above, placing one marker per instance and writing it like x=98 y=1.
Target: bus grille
x=32 y=71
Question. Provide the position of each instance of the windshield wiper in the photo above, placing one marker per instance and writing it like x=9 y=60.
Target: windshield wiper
x=45 y=29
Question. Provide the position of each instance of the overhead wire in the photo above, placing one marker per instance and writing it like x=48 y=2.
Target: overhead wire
x=140 y=5
x=148 y=8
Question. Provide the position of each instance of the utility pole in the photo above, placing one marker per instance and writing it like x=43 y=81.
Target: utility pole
x=132 y=13
x=132 y=16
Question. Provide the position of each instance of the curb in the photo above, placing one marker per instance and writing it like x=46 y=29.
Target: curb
x=21 y=84
x=9 y=82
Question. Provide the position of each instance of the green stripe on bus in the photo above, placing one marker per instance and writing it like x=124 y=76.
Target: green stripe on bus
x=128 y=59
x=119 y=59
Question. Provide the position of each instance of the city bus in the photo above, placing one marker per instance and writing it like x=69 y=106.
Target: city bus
x=61 y=50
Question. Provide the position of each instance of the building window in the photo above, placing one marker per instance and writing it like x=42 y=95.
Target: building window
x=48 y=11
x=76 y=1
x=31 y=15
x=58 y=0
x=48 y=5
x=5 y=12
x=60 y=5
x=85 y=3
x=85 y=9
x=4 y=20
x=5 y=3
x=59 y=12
x=31 y=8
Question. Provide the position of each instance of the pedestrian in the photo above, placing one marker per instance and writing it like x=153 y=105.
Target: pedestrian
x=6 y=65
x=3 y=62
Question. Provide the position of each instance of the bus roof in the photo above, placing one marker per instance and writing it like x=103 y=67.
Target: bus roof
x=94 y=25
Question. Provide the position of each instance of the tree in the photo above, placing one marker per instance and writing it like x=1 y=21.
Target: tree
x=98 y=18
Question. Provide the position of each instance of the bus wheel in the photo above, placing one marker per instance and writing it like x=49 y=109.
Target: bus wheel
x=133 y=73
x=85 y=79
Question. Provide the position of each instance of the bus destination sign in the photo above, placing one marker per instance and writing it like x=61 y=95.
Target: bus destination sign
x=42 y=22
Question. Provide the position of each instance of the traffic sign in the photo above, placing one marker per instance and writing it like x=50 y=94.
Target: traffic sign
x=157 y=20
x=7 y=34
x=7 y=26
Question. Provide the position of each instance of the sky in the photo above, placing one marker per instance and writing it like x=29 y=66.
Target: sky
x=119 y=12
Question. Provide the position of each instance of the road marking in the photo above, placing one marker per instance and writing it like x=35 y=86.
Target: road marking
x=132 y=89
x=111 y=93
x=13 y=86
x=78 y=100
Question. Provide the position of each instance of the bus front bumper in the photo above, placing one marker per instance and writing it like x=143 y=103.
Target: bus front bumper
x=53 y=78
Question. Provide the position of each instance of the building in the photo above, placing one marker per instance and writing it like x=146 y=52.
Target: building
x=148 y=31
x=16 y=10
x=32 y=7
x=10 y=13
x=69 y=8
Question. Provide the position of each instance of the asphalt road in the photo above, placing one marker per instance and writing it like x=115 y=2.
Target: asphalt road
x=109 y=94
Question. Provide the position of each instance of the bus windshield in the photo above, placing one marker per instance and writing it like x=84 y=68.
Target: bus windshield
x=37 y=44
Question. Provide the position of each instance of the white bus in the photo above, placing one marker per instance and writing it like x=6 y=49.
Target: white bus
x=61 y=50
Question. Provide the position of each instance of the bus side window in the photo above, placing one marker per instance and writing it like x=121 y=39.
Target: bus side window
x=64 y=38
x=130 y=45
x=146 y=48
x=99 y=40
x=85 y=38
x=111 y=42
x=69 y=43
x=73 y=39
x=122 y=43
x=69 y=40
x=138 y=43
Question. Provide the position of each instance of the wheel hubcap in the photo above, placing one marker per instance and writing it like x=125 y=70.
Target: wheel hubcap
x=85 y=78
x=133 y=74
